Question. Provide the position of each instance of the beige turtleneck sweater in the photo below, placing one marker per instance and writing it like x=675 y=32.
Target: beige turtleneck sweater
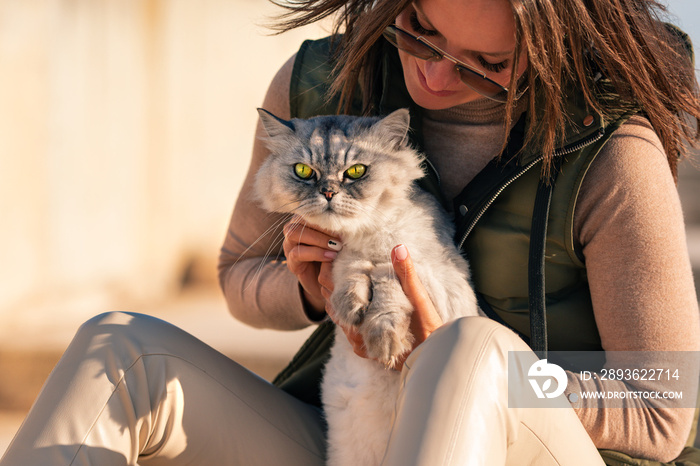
x=475 y=128
x=628 y=221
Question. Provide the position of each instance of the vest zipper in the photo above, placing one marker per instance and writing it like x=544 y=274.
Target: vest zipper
x=581 y=144
x=557 y=153
x=493 y=198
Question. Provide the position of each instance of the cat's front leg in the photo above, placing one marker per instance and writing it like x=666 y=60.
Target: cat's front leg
x=385 y=329
x=352 y=292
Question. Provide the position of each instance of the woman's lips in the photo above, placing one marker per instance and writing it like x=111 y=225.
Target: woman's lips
x=424 y=84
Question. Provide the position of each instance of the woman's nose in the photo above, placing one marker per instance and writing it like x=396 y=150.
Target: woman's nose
x=441 y=75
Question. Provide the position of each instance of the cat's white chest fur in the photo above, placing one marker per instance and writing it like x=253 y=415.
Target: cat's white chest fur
x=359 y=397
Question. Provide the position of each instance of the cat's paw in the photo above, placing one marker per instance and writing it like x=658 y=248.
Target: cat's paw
x=350 y=300
x=387 y=337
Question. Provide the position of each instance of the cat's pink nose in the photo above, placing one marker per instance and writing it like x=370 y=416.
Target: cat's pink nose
x=329 y=194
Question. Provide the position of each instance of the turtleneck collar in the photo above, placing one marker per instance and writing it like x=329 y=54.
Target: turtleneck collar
x=478 y=112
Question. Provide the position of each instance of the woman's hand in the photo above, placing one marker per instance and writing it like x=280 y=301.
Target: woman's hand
x=424 y=320
x=308 y=249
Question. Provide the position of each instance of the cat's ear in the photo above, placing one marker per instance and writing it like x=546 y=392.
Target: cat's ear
x=274 y=125
x=394 y=127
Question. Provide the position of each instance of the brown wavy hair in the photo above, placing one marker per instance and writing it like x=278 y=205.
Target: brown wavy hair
x=646 y=63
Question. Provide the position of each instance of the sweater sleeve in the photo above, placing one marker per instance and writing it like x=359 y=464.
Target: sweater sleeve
x=630 y=225
x=258 y=287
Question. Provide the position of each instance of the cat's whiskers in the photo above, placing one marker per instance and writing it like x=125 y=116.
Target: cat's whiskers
x=274 y=226
x=264 y=260
x=282 y=208
x=276 y=242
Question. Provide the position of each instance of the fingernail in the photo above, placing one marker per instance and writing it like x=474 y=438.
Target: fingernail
x=335 y=245
x=400 y=252
x=330 y=254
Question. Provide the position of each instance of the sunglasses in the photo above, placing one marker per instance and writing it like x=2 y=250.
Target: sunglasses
x=419 y=47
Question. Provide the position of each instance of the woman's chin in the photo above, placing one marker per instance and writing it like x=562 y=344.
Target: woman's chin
x=429 y=101
x=436 y=100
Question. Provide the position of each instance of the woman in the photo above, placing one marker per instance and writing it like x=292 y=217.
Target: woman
x=516 y=78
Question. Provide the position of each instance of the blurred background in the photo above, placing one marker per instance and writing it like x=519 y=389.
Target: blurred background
x=126 y=128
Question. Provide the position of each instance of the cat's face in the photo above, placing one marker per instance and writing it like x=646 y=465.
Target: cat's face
x=338 y=172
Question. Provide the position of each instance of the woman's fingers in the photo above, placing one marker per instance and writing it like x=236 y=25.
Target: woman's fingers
x=406 y=273
x=307 y=275
x=325 y=279
x=425 y=318
x=353 y=336
x=298 y=253
x=306 y=249
x=296 y=231
x=356 y=340
x=303 y=244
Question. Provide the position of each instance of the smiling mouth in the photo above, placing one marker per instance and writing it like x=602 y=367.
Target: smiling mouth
x=424 y=84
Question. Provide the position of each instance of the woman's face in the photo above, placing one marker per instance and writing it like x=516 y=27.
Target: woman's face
x=480 y=33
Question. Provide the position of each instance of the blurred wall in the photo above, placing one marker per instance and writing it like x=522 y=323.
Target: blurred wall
x=125 y=131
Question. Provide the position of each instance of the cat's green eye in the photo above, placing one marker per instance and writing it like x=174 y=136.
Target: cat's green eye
x=303 y=171
x=356 y=171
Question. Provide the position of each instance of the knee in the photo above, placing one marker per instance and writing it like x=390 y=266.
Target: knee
x=480 y=332
x=109 y=323
x=469 y=330
x=109 y=318
x=118 y=333
x=469 y=337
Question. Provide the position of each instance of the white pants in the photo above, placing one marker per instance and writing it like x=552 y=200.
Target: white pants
x=132 y=389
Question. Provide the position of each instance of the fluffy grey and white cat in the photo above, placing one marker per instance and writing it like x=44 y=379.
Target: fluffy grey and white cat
x=355 y=176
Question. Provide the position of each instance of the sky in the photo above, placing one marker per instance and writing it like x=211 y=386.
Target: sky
x=686 y=14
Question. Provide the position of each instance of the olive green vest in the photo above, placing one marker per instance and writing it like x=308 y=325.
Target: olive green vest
x=494 y=212
x=493 y=219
